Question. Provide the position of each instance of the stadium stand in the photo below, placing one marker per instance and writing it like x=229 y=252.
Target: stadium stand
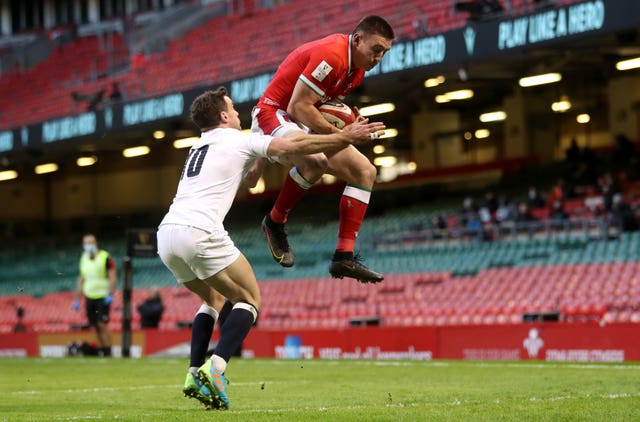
x=45 y=91
x=580 y=270
x=202 y=56
x=457 y=281
x=607 y=292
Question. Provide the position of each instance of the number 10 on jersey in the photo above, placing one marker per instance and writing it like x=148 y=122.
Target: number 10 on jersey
x=193 y=165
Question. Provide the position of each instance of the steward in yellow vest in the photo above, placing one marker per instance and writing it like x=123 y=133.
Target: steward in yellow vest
x=97 y=282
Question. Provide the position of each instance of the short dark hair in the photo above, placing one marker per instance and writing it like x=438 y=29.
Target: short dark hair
x=375 y=25
x=205 y=109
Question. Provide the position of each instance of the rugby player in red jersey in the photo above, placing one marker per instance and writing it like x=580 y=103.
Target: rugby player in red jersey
x=316 y=72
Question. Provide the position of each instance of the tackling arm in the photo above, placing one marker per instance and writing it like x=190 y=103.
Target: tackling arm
x=304 y=143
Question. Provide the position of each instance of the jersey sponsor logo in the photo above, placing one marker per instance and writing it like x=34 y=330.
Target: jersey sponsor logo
x=321 y=71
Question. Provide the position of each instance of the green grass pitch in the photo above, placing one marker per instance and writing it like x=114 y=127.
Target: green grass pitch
x=321 y=390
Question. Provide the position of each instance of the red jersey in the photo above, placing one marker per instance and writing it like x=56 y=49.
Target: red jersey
x=323 y=65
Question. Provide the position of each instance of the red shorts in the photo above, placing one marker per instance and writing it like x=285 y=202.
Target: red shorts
x=274 y=122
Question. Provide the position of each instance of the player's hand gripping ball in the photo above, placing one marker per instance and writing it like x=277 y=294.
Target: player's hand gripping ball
x=337 y=113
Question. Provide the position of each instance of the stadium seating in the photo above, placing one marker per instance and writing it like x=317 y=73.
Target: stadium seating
x=608 y=292
x=45 y=91
x=203 y=57
x=450 y=283
x=443 y=281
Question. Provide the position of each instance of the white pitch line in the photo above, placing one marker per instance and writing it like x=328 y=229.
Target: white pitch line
x=95 y=389
x=145 y=387
x=85 y=417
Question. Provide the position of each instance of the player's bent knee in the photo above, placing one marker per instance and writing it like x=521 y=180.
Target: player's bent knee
x=313 y=165
x=363 y=175
x=246 y=297
x=248 y=307
x=369 y=173
x=255 y=301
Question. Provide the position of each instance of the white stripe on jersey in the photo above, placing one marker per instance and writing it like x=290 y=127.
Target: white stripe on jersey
x=311 y=85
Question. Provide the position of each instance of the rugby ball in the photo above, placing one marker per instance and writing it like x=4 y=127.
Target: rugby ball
x=337 y=113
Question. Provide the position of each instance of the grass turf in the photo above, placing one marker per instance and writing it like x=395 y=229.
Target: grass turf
x=321 y=390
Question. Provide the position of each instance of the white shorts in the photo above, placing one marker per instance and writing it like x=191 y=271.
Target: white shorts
x=192 y=253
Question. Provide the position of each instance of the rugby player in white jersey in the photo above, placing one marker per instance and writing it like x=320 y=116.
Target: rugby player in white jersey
x=192 y=241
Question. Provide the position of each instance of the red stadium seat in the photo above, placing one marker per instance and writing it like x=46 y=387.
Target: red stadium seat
x=74 y=66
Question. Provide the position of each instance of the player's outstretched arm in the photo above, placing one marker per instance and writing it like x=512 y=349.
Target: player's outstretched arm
x=356 y=133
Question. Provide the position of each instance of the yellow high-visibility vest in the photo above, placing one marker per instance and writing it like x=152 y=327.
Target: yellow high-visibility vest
x=95 y=275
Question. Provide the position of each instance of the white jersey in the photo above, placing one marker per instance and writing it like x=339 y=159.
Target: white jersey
x=213 y=171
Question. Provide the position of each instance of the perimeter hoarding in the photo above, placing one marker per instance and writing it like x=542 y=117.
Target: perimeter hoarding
x=532 y=341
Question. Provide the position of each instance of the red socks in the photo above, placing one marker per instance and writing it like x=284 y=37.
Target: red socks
x=353 y=206
x=294 y=188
